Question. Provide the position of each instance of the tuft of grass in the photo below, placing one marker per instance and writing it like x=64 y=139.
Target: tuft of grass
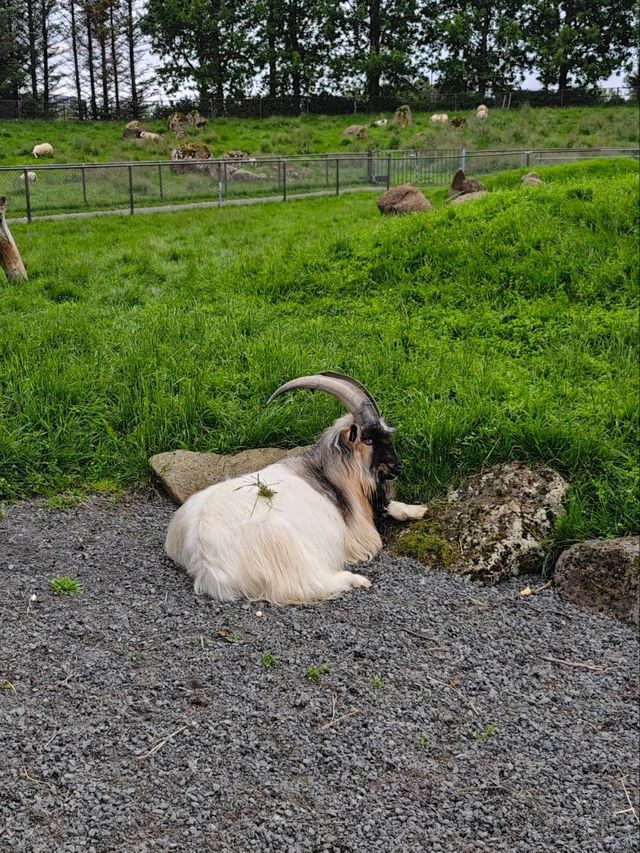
x=268 y=660
x=423 y=741
x=65 y=500
x=64 y=585
x=485 y=735
x=314 y=672
x=233 y=637
x=376 y=681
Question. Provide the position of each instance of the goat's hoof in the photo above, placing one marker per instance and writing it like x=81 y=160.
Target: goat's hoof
x=360 y=581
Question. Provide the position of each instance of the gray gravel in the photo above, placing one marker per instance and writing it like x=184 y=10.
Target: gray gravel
x=91 y=684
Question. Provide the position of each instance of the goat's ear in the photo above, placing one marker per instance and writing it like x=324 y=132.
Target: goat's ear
x=349 y=436
x=353 y=433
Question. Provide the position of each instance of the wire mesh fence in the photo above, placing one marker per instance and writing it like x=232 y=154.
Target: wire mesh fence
x=40 y=191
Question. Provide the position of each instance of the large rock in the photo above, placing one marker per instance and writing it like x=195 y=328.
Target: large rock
x=491 y=528
x=461 y=185
x=247 y=176
x=191 y=157
x=183 y=472
x=403 y=199
x=459 y=199
x=531 y=179
x=603 y=575
x=133 y=130
x=459 y=121
x=402 y=117
x=196 y=119
x=179 y=124
x=357 y=131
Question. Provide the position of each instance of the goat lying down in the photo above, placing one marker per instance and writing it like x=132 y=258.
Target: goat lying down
x=285 y=533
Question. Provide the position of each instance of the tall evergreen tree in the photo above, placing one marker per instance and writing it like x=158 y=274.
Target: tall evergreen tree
x=12 y=50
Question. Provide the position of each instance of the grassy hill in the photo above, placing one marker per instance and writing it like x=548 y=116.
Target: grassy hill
x=578 y=127
x=501 y=329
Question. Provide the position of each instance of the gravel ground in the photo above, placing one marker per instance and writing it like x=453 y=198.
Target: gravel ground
x=137 y=717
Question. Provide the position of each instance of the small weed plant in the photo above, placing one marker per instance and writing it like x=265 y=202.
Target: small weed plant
x=376 y=681
x=485 y=735
x=314 y=672
x=64 y=585
x=268 y=660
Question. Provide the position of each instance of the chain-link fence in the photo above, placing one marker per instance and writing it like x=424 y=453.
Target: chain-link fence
x=39 y=191
x=322 y=104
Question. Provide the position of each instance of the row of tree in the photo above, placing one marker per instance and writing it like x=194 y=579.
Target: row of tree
x=103 y=49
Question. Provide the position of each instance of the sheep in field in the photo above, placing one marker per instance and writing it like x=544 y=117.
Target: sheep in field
x=284 y=534
x=42 y=150
x=150 y=137
x=440 y=118
x=31 y=177
x=482 y=112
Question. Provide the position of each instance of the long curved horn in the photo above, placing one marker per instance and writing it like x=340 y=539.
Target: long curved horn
x=349 y=391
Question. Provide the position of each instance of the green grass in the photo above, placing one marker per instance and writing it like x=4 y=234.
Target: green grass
x=502 y=329
x=268 y=660
x=91 y=142
x=65 y=586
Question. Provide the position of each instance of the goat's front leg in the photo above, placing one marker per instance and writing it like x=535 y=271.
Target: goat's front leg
x=405 y=512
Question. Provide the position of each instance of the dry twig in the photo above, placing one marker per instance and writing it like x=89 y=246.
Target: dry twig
x=632 y=808
x=160 y=744
x=335 y=719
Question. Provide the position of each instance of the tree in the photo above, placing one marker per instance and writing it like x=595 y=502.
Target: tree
x=12 y=48
x=477 y=45
x=204 y=43
x=375 y=44
x=578 y=42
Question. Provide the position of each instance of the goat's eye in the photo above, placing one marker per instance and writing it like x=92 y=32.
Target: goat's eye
x=367 y=441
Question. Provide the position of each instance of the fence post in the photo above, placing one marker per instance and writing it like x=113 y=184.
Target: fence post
x=131 y=188
x=219 y=184
x=528 y=153
x=370 y=172
x=27 y=191
x=326 y=170
x=160 y=180
x=284 y=180
x=463 y=158
x=337 y=176
x=84 y=184
x=388 y=170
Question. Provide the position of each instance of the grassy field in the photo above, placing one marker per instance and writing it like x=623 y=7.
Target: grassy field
x=502 y=329
x=576 y=127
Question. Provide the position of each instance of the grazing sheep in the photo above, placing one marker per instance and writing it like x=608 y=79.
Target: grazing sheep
x=42 y=150
x=440 y=118
x=381 y=122
x=150 y=137
x=482 y=112
x=31 y=177
x=285 y=533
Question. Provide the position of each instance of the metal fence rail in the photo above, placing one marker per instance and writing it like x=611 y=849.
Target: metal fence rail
x=37 y=191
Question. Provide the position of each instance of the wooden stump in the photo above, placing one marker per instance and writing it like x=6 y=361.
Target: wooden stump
x=10 y=259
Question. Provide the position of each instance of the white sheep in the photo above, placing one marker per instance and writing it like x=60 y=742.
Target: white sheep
x=284 y=534
x=31 y=177
x=150 y=137
x=42 y=150
x=482 y=112
x=440 y=118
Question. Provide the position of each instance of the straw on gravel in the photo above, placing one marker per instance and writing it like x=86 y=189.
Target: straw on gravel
x=130 y=722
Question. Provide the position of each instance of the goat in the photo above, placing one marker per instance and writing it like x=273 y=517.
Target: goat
x=45 y=149
x=482 y=112
x=440 y=118
x=285 y=533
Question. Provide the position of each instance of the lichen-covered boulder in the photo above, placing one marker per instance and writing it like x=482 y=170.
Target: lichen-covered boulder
x=492 y=527
x=236 y=154
x=191 y=157
x=247 y=176
x=603 y=575
x=355 y=131
x=132 y=130
x=196 y=119
x=460 y=199
x=402 y=117
x=459 y=122
x=531 y=179
x=178 y=123
x=403 y=199
x=184 y=472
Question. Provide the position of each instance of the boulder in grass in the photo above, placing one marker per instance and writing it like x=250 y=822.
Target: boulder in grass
x=196 y=119
x=459 y=122
x=183 y=472
x=191 y=157
x=355 y=131
x=403 y=199
x=461 y=185
x=531 y=179
x=402 y=117
x=492 y=528
x=178 y=123
x=602 y=575
x=460 y=199
x=133 y=130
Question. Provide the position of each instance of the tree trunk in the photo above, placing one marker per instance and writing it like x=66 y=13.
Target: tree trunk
x=10 y=259
x=33 y=52
x=114 y=59
x=45 y=55
x=563 y=76
x=482 y=57
x=102 y=41
x=135 y=108
x=76 y=64
x=271 y=47
x=92 y=77
x=293 y=48
x=373 y=66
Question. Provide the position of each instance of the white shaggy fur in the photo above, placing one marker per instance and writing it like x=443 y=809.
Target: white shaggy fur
x=42 y=150
x=482 y=112
x=440 y=118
